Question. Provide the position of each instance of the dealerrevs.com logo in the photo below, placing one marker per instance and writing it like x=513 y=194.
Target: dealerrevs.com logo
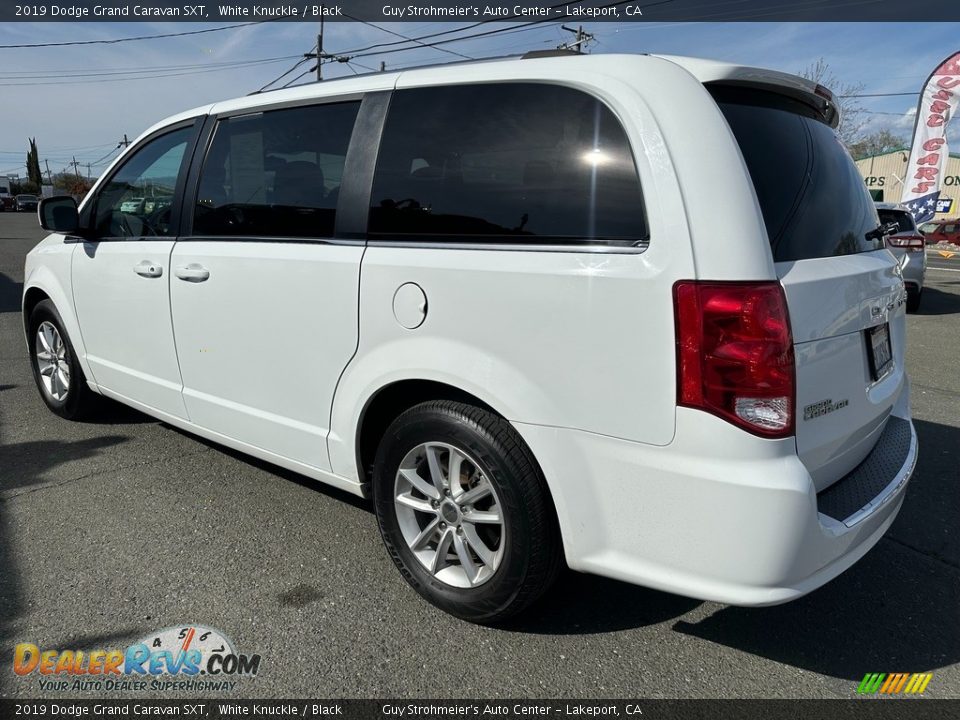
x=189 y=658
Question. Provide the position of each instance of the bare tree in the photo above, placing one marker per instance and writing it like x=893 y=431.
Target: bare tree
x=852 y=113
x=877 y=143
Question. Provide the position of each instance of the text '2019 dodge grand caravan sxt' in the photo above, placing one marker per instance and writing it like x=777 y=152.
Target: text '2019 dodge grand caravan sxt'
x=630 y=312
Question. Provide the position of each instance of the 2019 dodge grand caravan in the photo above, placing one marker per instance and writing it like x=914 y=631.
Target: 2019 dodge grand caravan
x=633 y=313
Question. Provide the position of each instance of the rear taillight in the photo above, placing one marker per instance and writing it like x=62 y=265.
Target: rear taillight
x=735 y=353
x=912 y=243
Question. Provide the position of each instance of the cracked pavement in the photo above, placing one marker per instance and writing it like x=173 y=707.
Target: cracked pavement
x=113 y=529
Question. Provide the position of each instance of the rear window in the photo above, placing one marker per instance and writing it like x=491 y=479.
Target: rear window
x=903 y=219
x=813 y=200
x=505 y=163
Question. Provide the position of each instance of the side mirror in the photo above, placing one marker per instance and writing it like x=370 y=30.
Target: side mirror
x=59 y=214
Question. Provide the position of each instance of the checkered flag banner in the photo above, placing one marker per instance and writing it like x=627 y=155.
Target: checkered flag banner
x=929 y=152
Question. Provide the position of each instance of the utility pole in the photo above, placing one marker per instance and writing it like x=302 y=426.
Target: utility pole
x=582 y=39
x=383 y=65
x=320 y=48
x=88 y=171
x=49 y=174
x=318 y=55
x=76 y=166
x=125 y=142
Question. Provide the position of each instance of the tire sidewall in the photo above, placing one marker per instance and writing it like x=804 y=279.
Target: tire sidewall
x=418 y=426
x=67 y=408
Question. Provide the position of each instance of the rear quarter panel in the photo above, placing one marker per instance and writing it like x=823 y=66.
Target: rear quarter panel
x=569 y=339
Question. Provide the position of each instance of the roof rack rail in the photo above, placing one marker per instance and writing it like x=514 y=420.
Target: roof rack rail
x=556 y=52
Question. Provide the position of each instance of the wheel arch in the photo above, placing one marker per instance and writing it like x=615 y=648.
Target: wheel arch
x=43 y=283
x=389 y=401
x=32 y=296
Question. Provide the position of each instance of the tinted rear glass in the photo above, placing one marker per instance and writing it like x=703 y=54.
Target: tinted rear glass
x=505 y=162
x=813 y=199
x=904 y=220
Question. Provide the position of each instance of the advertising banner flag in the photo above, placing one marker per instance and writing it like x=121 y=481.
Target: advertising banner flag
x=929 y=152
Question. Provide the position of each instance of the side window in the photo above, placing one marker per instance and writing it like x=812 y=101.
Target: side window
x=275 y=173
x=511 y=162
x=138 y=199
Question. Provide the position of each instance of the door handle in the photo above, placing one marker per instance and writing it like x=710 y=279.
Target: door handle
x=194 y=272
x=148 y=269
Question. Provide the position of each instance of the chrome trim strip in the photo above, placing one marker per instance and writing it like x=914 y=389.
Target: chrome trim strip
x=516 y=247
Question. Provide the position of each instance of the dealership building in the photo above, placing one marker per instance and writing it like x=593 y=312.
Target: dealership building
x=884 y=177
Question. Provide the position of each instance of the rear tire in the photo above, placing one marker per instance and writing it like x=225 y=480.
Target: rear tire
x=913 y=300
x=481 y=543
x=56 y=370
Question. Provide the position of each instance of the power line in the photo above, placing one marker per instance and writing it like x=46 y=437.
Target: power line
x=75 y=81
x=359 y=53
x=138 y=37
x=449 y=32
x=498 y=31
x=876 y=95
x=408 y=38
x=294 y=67
x=103 y=72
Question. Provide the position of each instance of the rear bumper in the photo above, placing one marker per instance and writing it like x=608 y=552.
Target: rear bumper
x=715 y=515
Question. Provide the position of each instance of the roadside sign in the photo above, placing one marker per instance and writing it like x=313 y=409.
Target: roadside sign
x=945 y=205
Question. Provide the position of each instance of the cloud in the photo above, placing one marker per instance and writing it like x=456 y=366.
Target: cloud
x=70 y=119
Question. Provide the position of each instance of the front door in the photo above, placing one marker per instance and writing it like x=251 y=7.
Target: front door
x=121 y=276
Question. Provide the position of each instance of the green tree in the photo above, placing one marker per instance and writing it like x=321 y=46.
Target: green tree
x=33 y=164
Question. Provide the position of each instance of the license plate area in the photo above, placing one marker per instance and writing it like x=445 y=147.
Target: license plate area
x=879 y=351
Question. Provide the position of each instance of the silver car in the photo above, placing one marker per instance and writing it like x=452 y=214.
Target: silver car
x=909 y=247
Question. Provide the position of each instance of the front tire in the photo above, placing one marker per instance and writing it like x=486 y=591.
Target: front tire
x=56 y=370
x=464 y=511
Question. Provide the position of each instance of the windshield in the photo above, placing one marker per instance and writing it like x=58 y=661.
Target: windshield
x=813 y=200
x=27 y=197
x=903 y=219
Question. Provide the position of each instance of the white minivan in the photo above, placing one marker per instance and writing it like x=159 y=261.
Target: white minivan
x=632 y=313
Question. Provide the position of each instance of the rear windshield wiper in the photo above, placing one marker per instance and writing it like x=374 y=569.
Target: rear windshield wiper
x=882 y=230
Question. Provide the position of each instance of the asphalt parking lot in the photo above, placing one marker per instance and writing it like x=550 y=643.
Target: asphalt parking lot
x=113 y=529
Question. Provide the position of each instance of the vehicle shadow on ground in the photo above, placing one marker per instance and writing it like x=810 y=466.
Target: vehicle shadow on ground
x=280 y=472
x=893 y=610
x=581 y=604
x=110 y=412
x=937 y=302
x=10 y=294
x=25 y=466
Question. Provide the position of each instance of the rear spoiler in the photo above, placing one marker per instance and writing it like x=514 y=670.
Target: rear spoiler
x=710 y=72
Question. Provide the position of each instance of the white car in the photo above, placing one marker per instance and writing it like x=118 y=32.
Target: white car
x=633 y=313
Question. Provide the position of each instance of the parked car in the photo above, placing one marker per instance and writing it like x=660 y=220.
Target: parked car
x=908 y=245
x=26 y=203
x=926 y=228
x=6 y=199
x=947 y=231
x=616 y=335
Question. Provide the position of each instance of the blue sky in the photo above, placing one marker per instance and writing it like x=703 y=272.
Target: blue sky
x=87 y=116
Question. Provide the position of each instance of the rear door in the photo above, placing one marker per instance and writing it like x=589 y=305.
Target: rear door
x=844 y=290
x=263 y=298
